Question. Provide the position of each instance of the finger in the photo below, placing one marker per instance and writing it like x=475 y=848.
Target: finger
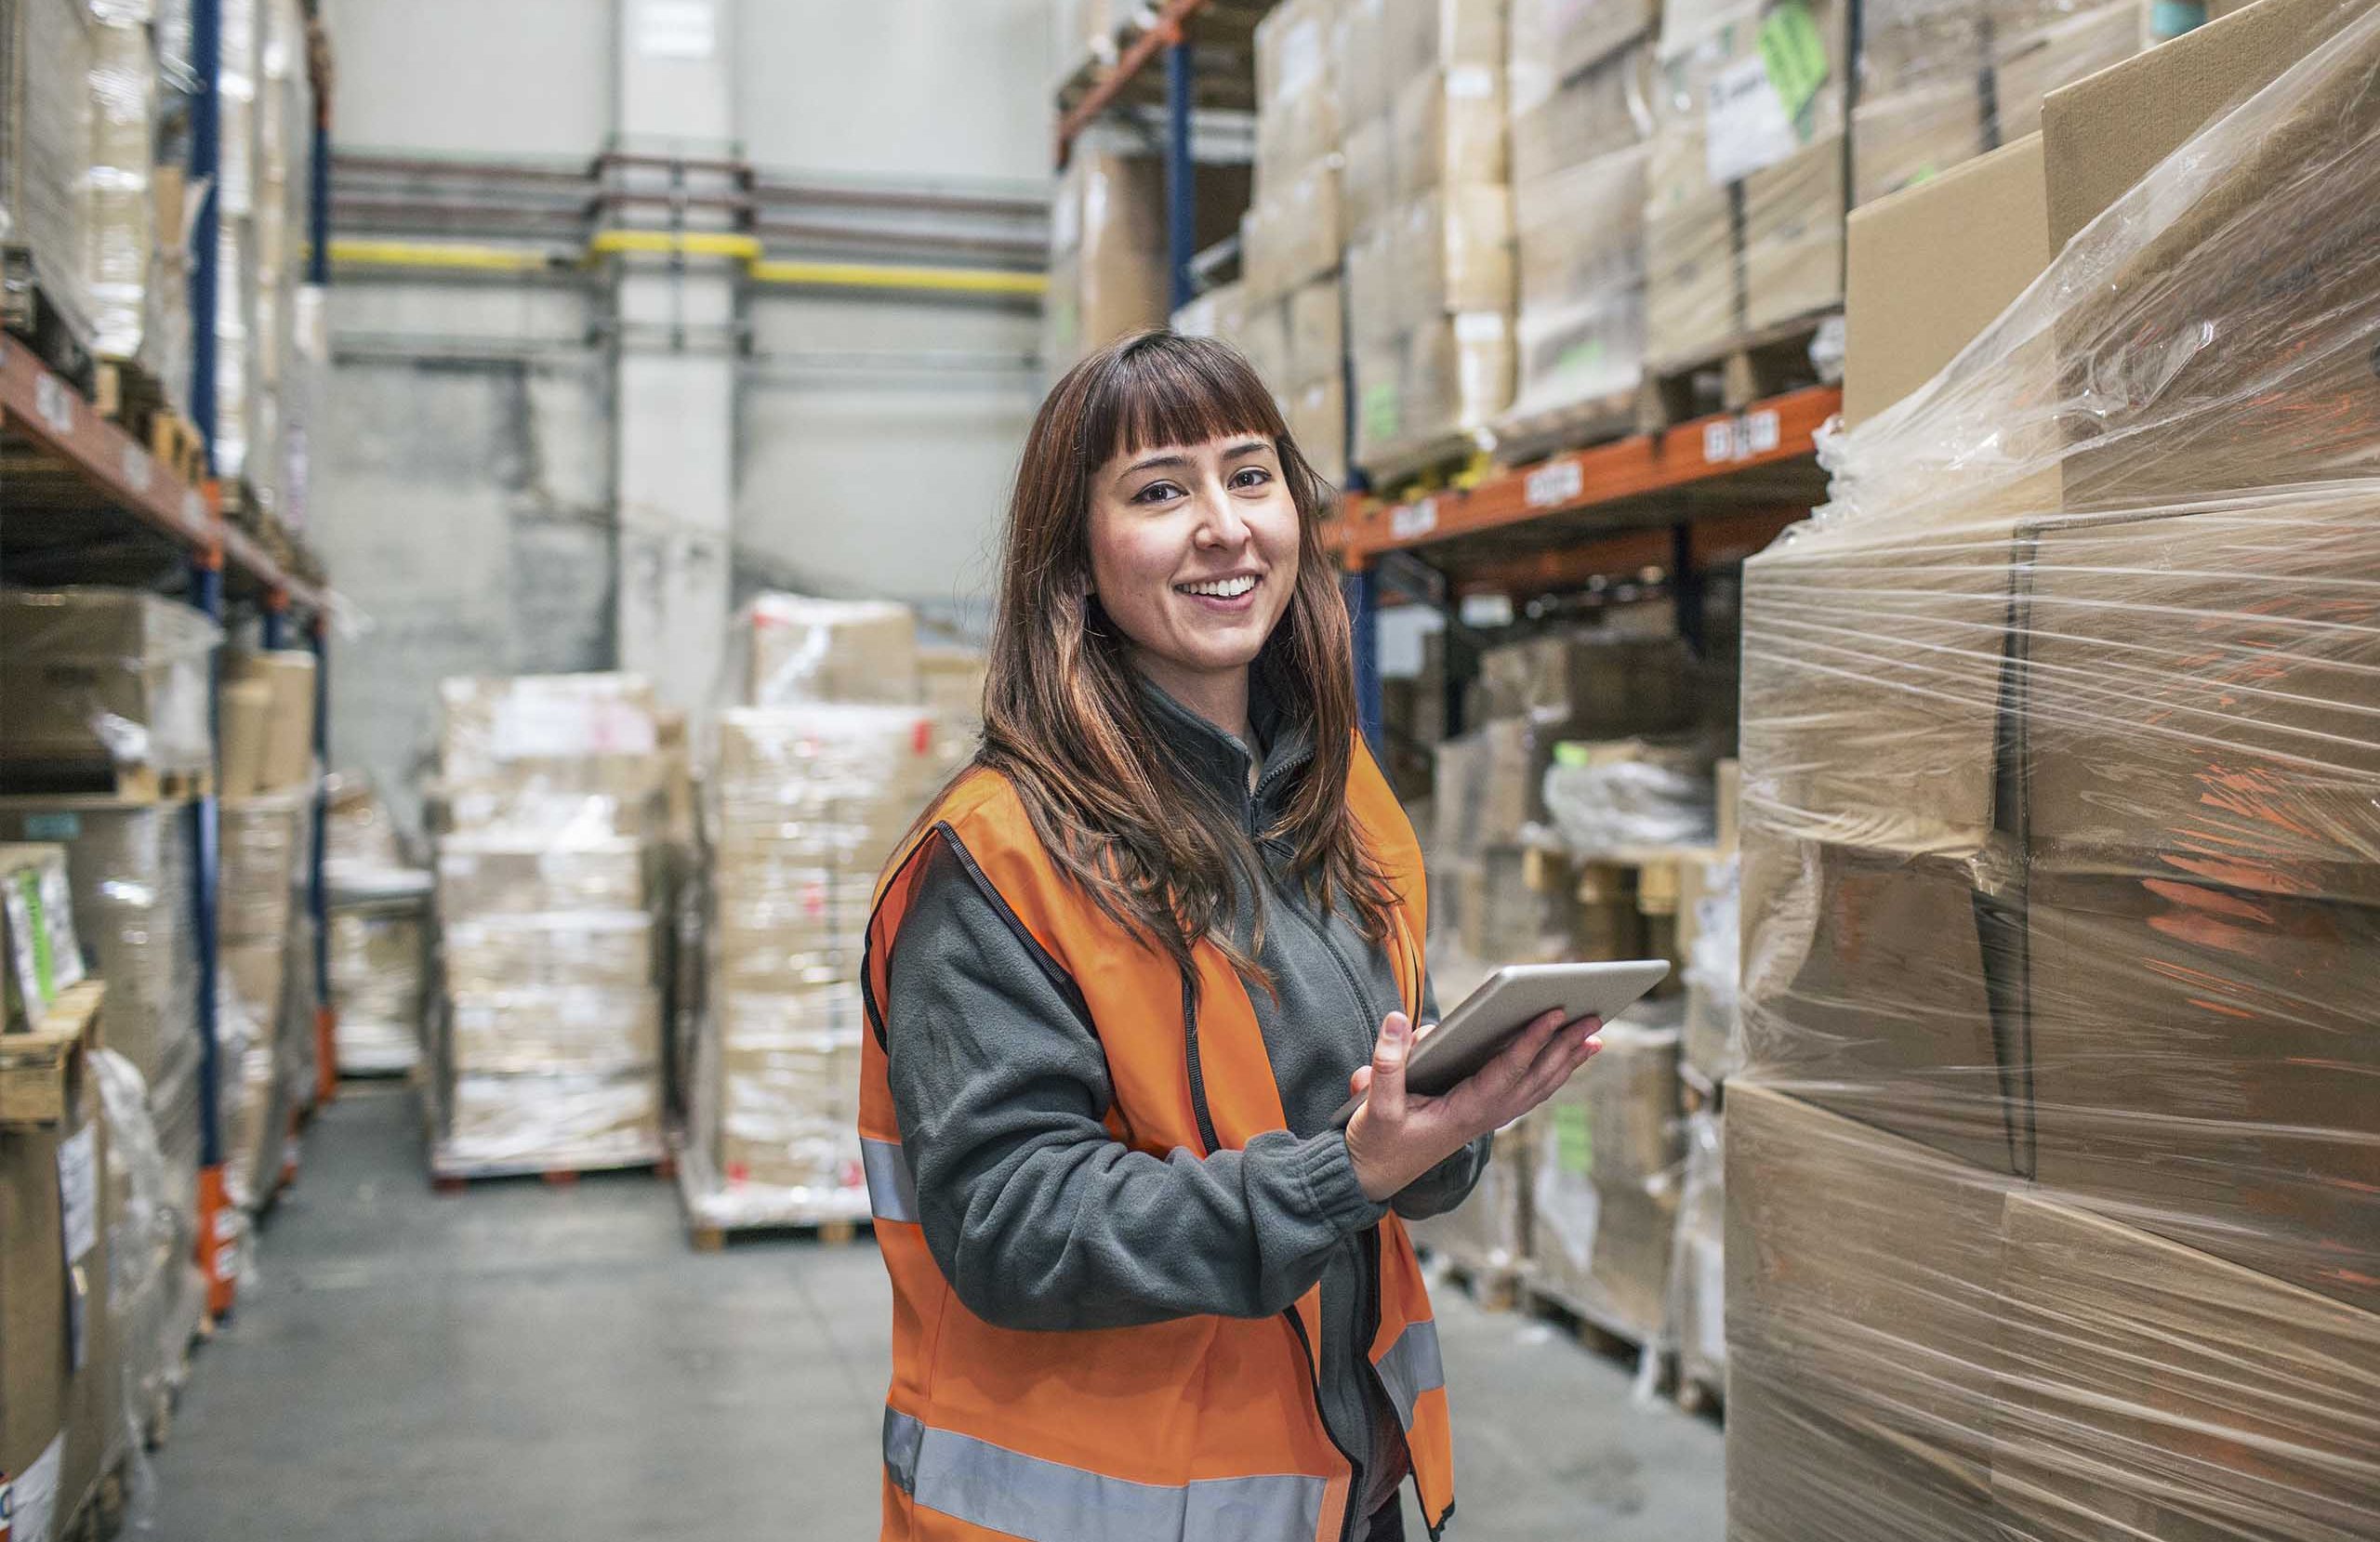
x=1387 y=1098
x=1361 y=1079
x=1556 y=1045
x=1512 y=1062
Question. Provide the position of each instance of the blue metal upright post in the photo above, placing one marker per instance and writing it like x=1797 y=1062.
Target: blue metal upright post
x=1181 y=173
x=317 y=887
x=1363 y=620
x=205 y=165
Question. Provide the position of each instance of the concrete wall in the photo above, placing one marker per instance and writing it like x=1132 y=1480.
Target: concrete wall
x=466 y=504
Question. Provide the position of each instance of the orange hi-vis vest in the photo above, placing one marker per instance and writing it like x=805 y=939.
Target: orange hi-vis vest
x=1197 y=1429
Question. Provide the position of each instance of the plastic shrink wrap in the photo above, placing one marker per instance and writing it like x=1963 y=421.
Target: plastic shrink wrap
x=154 y=1292
x=548 y=1041
x=1581 y=110
x=1744 y=205
x=101 y=675
x=806 y=804
x=2053 y=1177
x=379 y=933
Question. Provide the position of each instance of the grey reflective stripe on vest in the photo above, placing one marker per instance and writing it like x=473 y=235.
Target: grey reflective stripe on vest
x=892 y=1192
x=1410 y=1368
x=1024 y=1497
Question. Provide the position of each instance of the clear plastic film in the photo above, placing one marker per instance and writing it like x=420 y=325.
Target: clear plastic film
x=551 y=924
x=104 y=675
x=1581 y=95
x=1605 y=1180
x=45 y=147
x=2056 y=1157
x=1943 y=81
x=1611 y=797
x=1429 y=243
x=119 y=254
x=378 y=954
x=1744 y=200
x=795 y=648
x=1296 y=222
x=1698 y=1300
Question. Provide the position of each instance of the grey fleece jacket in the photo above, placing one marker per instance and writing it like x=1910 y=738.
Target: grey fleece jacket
x=1041 y=1220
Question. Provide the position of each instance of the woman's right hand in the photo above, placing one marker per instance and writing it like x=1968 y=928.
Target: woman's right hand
x=1397 y=1135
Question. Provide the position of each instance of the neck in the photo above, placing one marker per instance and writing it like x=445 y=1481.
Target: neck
x=1220 y=696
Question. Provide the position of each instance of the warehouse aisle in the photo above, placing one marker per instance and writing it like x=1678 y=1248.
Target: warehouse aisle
x=520 y=1363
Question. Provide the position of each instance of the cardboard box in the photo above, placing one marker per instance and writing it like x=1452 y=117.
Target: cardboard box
x=287 y=759
x=2028 y=66
x=480 y=875
x=1588 y=686
x=1598 y=111
x=1423 y=35
x=2253 y=406
x=2237 y=1401
x=1449 y=132
x=555 y=1029
x=264 y=847
x=1729 y=777
x=583 y=1120
x=1367 y=175
x=2200 y=1067
x=1580 y=254
x=1490 y=1230
x=1293 y=234
x=1453 y=256
x=1868 y=989
x=1913 y=136
x=1603 y=1209
x=60 y=1393
x=1317 y=422
x=805 y=650
x=99 y=675
x=245 y=713
x=599 y=949
x=1693 y=278
x=1863 y=1325
x=1317 y=332
x=789 y=1115
x=1929 y=269
x=1794 y=235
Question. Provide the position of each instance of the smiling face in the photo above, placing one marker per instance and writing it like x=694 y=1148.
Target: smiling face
x=1194 y=555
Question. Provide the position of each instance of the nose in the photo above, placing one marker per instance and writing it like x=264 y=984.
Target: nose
x=1220 y=527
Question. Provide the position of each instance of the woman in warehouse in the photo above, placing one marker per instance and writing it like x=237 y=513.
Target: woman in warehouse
x=1117 y=980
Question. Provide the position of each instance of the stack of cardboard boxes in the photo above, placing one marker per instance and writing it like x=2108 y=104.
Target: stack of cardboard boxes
x=1581 y=86
x=551 y=1037
x=1295 y=229
x=1428 y=207
x=1110 y=272
x=1744 y=205
x=379 y=932
x=2052 y=1185
x=849 y=728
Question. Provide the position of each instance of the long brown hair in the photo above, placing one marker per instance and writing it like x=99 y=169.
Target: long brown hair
x=1064 y=718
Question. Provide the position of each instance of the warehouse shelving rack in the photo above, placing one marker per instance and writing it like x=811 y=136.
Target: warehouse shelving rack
x=89 y=502
x=1690 y=497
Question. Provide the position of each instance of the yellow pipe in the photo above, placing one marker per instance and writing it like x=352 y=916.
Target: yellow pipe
x=422 y=254
x=861 y=275
x=718 y=244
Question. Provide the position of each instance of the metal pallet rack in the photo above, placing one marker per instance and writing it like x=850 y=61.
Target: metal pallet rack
x=107 y=509
x=1703 y=492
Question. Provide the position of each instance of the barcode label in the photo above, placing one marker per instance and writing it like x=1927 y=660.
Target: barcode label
x=1410 y=519
x=1556 y=482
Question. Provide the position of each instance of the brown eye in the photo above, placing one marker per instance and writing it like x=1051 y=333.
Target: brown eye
x=1156 y=492
x=1252 y=476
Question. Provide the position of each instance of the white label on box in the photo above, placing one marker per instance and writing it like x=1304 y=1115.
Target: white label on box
x=54 y=404
x=1711 y=1300
x=1556 y=482
x=533 y=726
x=32 y=1496
x=1471 y=83
x=78 y=1192
x=1419 y=518
x=1479 y=327
x=1748 y=127
x=677 y=28
x=135 y=467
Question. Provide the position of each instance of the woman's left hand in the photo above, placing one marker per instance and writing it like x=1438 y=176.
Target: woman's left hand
x=1397 y=1135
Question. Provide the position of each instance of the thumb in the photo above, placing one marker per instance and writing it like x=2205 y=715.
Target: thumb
x=1388 y=1066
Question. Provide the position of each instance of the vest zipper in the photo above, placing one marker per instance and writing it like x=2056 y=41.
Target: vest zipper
x=1190 y=1054
x=1355 y=1498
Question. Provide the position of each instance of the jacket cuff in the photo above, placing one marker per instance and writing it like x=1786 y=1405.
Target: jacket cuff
x=1328 y=1174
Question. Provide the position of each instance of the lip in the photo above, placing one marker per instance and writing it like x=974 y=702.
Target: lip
x=1219 y=605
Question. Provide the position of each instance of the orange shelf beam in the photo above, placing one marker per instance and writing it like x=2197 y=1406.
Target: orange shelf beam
x=52 y=414
x=1165 y=29
x=1781 y=428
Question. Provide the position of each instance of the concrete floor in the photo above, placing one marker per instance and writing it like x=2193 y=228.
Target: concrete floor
x=520 y=1363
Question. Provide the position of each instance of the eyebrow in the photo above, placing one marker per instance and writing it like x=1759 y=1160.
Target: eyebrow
x=1243 y=448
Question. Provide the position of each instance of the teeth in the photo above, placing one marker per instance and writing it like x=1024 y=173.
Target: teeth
x=1227 y=589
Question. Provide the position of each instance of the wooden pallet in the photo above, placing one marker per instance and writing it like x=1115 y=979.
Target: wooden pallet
x=36 y=1065
x=838 y=1231
x=125 y=781
x=127 y=395
x=31 y=312
x=711 y=1231
x=1599 y=1331
x=100 y=1514
x=449 y=1175
x=1730 y=376
x=1492 y=1287
x=1579 y=426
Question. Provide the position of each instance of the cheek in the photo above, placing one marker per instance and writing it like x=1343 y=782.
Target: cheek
x=1126 y=558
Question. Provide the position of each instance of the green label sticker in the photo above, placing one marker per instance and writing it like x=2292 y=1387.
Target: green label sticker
x=1574 y=1142
x=1793 y=53
x=1382 y=413
x=53 y=826
x=1580 y=355
x=37 y=925
x=1570 y=752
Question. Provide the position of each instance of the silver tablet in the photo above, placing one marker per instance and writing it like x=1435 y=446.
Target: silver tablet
x=1507 y=1002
